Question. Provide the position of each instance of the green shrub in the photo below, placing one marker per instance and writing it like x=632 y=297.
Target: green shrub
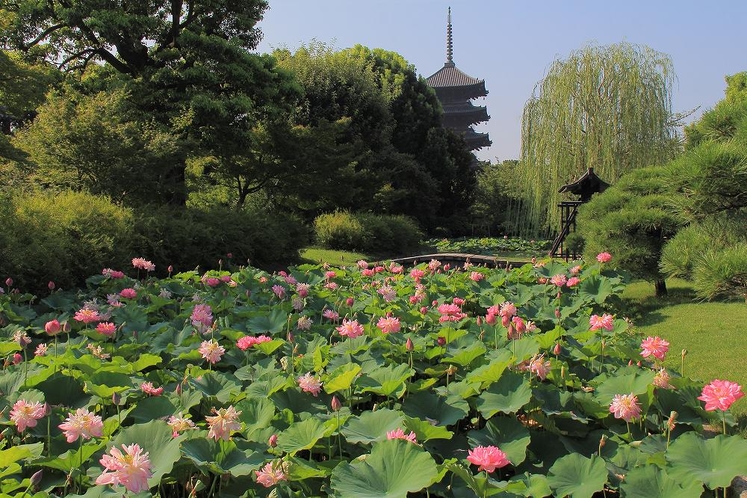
x=63 y=237
x=370 y=233
x=339 y=230
x=186 y=238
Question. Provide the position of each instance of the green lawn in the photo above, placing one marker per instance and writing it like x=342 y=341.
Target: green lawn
x=317 y=255
x=713 y=333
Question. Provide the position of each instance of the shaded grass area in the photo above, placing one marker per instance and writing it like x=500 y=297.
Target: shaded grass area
x=318 y=255
x=714 y=334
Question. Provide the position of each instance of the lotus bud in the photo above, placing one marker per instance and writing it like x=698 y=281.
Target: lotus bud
x=36 y=478
x=408 y=345
x=273 y=441
x=441 y=341
x=335 y=404
x=52 y=327
x=66 y=327
x=557 y=349
x=9 y=281
x=557 y=312
x=116 y=398
x=349 y=301
x=50 y=286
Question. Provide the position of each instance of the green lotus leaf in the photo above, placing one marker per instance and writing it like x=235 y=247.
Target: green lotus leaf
x=63 y=390
x=216 y=384
x=372 y=426
x=19 y=453
x=153 y=408
x=269 y=347
x=714 y=462
x=466 y=355
x=144 y=361
x=491 y=372
x=595 y=288
x=342 y=378
x=221 y=457
x=536 y=484
x=425 y=431
x=155 y=437
x=273 y=322
x=299 y=469
x=481 y=484
x=649 y=481
x=511 y=392
x=132 y=317
x=430 y=406
x=524 y=348
x=9 y=347
x=387 y=380
x=71 y=459
x=506 y=433
x=301 y=435
x=392 y=470
x=626 y=381
x=577 y=476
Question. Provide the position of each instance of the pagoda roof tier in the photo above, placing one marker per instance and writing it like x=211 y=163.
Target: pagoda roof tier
x=475 y=140
x=450 y=76
x=464 y=113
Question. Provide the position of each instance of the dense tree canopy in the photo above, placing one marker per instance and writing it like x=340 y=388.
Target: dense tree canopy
x=186 y=67
x=603 y=107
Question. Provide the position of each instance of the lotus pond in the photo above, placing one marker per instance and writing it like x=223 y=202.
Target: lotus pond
x=351 y=382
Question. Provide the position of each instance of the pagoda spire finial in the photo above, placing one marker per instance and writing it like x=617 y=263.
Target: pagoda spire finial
x=449 y=43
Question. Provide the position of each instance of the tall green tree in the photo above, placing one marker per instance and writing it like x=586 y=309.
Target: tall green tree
x=603 y=107
x=187 y=67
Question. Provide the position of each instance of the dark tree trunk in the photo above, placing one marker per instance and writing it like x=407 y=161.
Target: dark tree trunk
x=661 y=288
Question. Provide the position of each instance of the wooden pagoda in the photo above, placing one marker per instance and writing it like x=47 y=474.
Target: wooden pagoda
x=455 y=90
x=584 y=187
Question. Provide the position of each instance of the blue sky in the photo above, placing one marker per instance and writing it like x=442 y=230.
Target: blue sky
x=510 y=44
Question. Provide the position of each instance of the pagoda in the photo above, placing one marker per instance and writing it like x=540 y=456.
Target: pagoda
x=455 y=90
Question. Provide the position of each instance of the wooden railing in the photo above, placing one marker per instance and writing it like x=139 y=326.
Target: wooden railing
x=568 y=211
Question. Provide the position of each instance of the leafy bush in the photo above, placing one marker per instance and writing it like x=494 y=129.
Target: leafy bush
x=371 y=233
x=339 y=230
x=62 y=237
x=354 y=382
x=186 y=238
x=65 y=238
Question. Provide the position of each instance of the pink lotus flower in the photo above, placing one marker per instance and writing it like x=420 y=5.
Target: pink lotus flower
x=202 y=317
x=25 y=414
x=41 y=350
x=476 y=276
x=625 y=407
x=211 y=351
x=304 y=323
x=308 y=383
x=488 y=458
x=507 y=308
x=179 y=424
x=388 y=324
x=302 y=289
x=350 y=328
x=131 y=469
x=279 y=291
x=248 y=341
x=271 y=474
x=720 y=394
x=654 y=346
x=106 y=328
x=604 y=257
x=559 y=280
x=128 y=293
x=52 y=327
x=143 y=264
x=450 y=313
x=417 y=274
x=108 y=272
x=82 y=423
x=149 y=389
x=606 y=322
x=87 y=315
x=573 y=282
x=539 y=366
x=331 y=315
x=400 y=434
x=661 y=379
x=388 y=293
x=362 y=264
x=225 y=421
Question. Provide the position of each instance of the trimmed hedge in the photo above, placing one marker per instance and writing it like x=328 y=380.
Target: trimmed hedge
x=382 y=235
x=69 y=236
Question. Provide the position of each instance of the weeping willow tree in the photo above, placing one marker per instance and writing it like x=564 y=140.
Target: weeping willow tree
x=608 y=108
